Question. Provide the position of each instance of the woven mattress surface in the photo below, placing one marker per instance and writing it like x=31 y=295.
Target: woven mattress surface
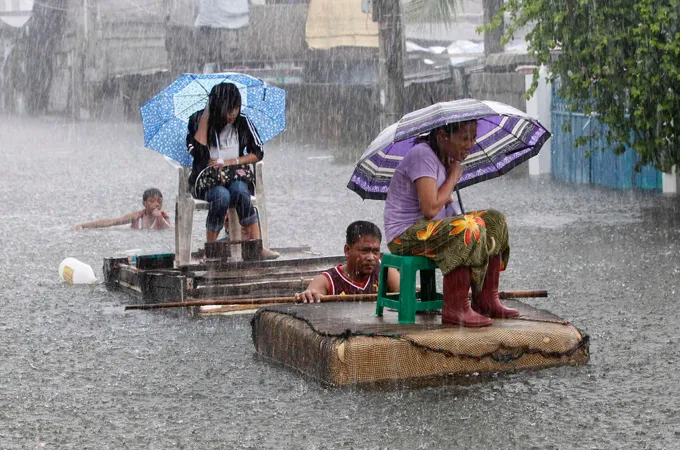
x=345 y=343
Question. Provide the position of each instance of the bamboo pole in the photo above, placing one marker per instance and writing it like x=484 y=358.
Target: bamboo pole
x=324 y=299
x=254 y=301
x=523 y=294
x=243 y=307
x=235 y=309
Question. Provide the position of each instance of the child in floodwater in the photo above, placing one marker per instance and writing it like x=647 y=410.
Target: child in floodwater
x=150 y=218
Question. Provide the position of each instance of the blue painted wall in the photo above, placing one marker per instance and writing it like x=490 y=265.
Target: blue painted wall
x=569 y=163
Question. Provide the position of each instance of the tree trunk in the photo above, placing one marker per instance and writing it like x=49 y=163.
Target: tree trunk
x=492 y=39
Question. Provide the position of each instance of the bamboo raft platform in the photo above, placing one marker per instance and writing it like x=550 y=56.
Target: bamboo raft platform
x=345 y=343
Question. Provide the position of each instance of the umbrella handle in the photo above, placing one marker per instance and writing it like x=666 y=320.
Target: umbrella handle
x=460 y=202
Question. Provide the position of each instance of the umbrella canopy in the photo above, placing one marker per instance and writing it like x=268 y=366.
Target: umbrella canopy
x=165 y=117
x=505 y=138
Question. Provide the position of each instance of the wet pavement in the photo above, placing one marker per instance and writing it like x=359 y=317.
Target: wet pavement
x=76 y=371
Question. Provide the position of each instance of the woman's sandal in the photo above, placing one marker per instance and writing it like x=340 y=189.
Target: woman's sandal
x=269 y=254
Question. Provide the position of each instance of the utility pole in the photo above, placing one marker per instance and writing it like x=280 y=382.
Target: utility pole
x=79 y=91
x=391 y=60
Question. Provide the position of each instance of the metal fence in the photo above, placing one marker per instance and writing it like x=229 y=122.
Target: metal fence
x=595 y=162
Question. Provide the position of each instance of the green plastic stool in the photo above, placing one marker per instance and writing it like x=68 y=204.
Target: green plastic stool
x=406 y=301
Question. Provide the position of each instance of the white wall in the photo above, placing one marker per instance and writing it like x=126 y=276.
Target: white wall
x=539 y=107
x=671 y=182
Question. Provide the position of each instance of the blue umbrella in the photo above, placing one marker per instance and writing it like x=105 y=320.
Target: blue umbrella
x=165 y=117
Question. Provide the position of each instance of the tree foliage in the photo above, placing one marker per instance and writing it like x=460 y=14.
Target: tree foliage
x=428 y=11
x=616 y=59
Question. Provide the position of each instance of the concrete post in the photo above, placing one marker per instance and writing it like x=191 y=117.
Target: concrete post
x=391 y=61
x=671 y=182
x=539 y=106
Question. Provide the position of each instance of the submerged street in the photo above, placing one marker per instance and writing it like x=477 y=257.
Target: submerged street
x=77 y=371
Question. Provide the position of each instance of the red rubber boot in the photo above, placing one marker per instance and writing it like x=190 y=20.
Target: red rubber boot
x=457 y=310
x=487 y=302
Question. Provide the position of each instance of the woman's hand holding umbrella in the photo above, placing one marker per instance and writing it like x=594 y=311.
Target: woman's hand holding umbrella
x=433 y=198
x=455 y=170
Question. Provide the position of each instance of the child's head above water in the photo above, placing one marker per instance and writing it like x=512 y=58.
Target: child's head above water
x=152 y=199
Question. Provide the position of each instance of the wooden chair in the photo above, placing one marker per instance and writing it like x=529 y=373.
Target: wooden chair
x=186 y=205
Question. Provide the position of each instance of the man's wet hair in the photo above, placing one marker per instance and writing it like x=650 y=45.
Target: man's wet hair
x=360 y=228
x=151 y=192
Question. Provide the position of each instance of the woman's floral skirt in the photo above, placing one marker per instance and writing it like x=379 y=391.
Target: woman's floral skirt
x=465 y=240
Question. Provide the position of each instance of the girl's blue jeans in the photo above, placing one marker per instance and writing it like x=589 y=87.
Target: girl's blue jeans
x=221 y=198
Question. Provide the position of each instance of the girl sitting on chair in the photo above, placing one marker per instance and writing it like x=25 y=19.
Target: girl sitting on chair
x=223 y=144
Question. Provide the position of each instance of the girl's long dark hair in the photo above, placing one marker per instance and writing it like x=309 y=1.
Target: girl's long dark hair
x=223 y=97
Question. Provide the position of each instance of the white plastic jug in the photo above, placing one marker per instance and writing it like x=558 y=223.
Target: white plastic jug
x=73 y=271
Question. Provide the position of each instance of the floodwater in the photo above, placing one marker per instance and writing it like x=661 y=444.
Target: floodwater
x=76 y=371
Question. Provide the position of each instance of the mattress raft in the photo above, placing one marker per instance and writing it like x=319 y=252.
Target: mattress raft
x=345 y=343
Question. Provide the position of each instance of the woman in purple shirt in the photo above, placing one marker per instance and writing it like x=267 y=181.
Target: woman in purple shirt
x=422 y=219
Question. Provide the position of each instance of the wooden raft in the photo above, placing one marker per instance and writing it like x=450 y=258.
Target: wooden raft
x=234 y=280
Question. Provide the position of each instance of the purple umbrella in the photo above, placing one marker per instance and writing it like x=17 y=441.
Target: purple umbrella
x=506 y=137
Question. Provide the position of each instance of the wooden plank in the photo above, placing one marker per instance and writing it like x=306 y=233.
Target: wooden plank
x=261 y=203
x=241 y=280
x=184 y=219
x=111 y=270
x=162 y=288
x=289 y=250
x=129 y=289
x=259 y=289
x=200 y=270
x=259 y=273
x=130 y=275
x=257 y=276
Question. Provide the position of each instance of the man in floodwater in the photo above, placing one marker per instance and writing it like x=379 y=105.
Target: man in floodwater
x=361 y=272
